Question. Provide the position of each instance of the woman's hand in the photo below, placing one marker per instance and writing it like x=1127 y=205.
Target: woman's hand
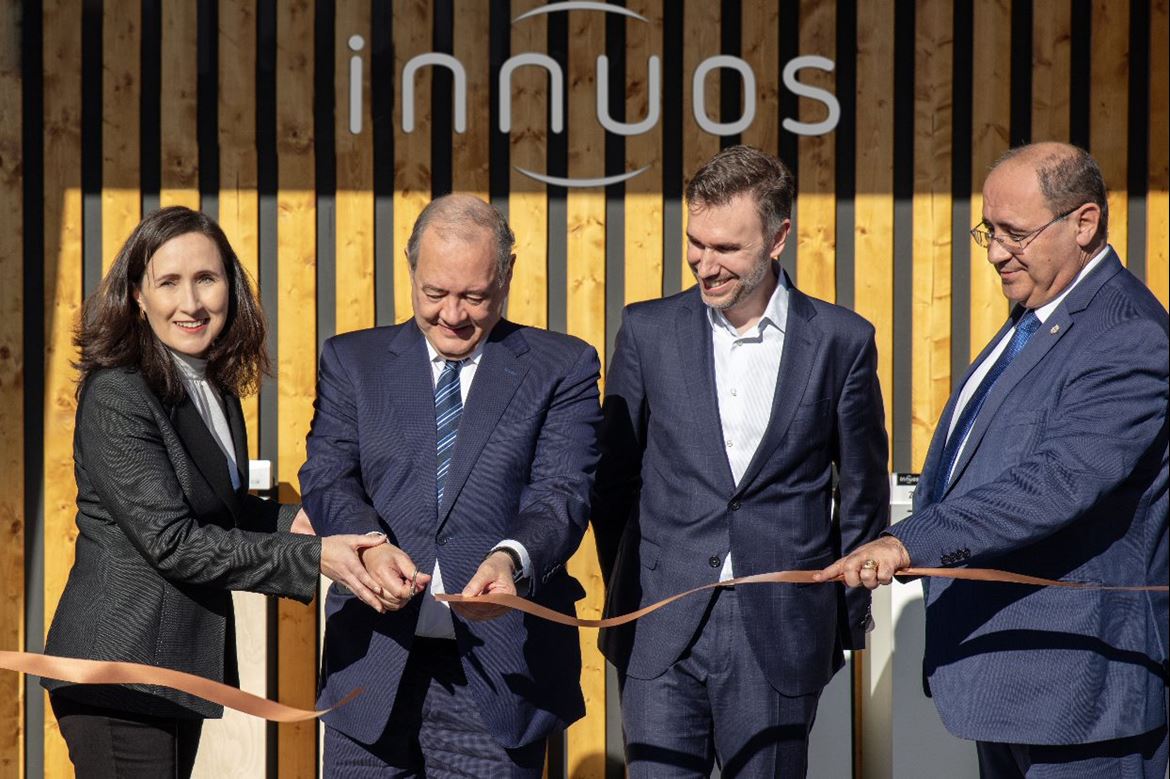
x=341 y=561
x=302 y=525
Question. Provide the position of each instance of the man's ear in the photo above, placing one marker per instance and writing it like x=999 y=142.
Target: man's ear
x=779 y=239
x=1088 y=223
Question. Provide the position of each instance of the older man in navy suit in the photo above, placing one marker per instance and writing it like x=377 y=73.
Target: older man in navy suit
x=1049 y=460
x=729 y=411
x=471 y=442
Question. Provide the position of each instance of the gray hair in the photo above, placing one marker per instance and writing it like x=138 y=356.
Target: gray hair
x=457 y=215
x=1069 y=176
x=742 y=169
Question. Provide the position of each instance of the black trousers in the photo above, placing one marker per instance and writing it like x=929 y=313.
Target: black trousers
x=110 y=744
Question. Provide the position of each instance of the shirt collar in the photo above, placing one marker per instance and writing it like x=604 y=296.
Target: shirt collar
x=775 y=314
x=1046 y=310
x=435 y=357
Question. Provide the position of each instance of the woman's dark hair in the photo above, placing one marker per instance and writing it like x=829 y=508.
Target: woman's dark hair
x=114 y=334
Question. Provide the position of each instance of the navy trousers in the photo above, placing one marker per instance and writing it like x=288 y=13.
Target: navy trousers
x=715 y=703
x=1136 y=757
x=435 y=730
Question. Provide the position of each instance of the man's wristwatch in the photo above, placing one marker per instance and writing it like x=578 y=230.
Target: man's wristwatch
x=517 y=566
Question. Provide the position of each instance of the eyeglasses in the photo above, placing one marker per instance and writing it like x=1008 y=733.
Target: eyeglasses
x=1012 y=242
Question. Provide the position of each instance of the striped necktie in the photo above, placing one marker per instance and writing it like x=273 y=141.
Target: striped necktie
x=1027 y=325
x=448 y=409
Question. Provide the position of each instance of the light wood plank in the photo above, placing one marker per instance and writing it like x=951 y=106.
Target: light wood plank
x=179 y=121
x=413 y=22
x=121 y=95
x=470 y=154
x=1109 y=111
x=12 y=598
x=296 y=226
x=644 y=200
x=585 y=318
x=990 y=114
x=1158 y=201
x=873 y=264
x=61 y=20
x=816 y=201
x=701 y=39
x=931 y=328
x=355 y=175
x=1051 y=69
x=761 y=44
x=528 y=149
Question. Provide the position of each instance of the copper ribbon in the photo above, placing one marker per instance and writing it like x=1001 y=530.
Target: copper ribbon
x=69 y=669
x=784 y=577
x=107 y=672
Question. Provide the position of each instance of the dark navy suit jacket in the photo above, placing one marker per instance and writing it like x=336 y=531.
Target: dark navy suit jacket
x=1064 y=476
x=522 y=469
x=667 y=511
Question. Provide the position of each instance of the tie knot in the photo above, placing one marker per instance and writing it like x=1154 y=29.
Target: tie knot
x=452 y=366
x=1029 y=322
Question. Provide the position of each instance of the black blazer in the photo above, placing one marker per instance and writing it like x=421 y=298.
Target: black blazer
x=162 y=541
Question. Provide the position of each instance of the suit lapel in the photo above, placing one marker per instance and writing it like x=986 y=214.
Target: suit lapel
x=205 y=453
x=697 y=358
x=499 y=374
x=802 y=341
x=235 y=418
x=410 y=393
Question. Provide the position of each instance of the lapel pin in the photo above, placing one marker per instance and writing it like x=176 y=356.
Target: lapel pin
x=1055 y=329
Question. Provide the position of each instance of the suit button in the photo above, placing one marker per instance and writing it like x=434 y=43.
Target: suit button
x=715 y=562
x=733 y=505
x=443 y=541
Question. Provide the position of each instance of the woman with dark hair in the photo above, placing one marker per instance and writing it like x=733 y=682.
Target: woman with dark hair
x=169 y=342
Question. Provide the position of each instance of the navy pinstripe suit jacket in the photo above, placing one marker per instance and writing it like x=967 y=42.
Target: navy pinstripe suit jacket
x=522 y=468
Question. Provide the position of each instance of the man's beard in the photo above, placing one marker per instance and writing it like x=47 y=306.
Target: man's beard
x=747 y=284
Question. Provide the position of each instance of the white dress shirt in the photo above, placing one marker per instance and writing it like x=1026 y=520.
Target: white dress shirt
x=977 y=376
x=209 y=404
x=434 y=617
x=747 y=366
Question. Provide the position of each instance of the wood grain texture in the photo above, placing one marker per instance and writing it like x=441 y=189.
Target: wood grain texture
x=990 y=115
x=1158 y=199
x=1109 y=111
x=760 y=21
x=178 y=120
x=354 y=248
x=585 y=318
x=470 y=152
x=296 y=226
x=528 y=149
x=61 y=20
x=701 y=39
x=12 y=597
x=1051 y=69
x=873 y=231
x=413 y=22
x=644 y=200
x=121 y=96
x=931 y=286
x=816 y=198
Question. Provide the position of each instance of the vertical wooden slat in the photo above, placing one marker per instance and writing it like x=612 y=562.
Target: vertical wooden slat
x=61 y=21
x=413 y=22
x=355 y=174
x=470 y=152
x=816 y=202
x=1158 y=199
x=11 y=391
x=178 y=113
x=701 y=39
x=296 y=223
x=873 y=265
x=990 y=114
x=1051 y=69
x=528 y=149
x=585 y=318
x=644 y=201
x=121 y=93
x=931 y=328
x=1109 y=111
x=239 y=204
x=761 y=42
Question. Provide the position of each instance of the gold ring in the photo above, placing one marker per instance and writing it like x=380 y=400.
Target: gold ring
x=413 y=578
x=869 y=565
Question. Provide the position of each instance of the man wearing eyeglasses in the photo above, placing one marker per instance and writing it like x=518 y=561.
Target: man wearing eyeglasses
x=1051 y=460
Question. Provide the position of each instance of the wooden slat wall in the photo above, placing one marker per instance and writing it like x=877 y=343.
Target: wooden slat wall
x=585 y=318
x=11 y=392
x=238 y=747
x=178 y=115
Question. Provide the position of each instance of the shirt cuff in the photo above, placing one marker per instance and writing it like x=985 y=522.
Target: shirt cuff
x=522 y=553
